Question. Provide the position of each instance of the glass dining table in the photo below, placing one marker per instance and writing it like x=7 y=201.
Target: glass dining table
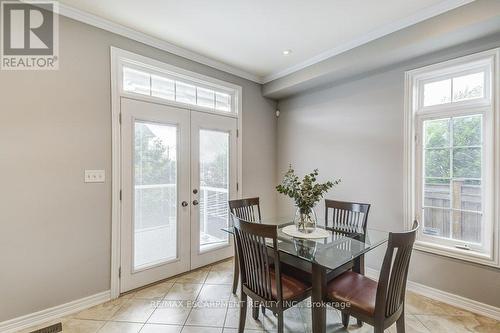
x=325 y=257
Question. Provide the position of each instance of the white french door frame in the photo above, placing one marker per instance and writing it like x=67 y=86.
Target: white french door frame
x=120 y=57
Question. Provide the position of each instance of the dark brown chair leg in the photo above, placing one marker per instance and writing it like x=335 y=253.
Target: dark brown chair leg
x=255 y=310
x=236 y=274
x=345 y=319
x=360 y=323
x=243 y=313
x=280 y=321
x=400 y=323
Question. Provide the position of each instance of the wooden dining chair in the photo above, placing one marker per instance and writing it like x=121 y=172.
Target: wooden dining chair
x=249 y=210
x=261 y=276
x=378 y=304
x=349 y=217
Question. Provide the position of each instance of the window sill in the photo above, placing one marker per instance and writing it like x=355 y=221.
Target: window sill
x=464 y=255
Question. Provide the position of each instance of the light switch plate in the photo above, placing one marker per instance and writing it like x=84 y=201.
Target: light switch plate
x=95 y=176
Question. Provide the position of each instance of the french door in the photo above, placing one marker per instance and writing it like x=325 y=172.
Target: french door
x=178 y=171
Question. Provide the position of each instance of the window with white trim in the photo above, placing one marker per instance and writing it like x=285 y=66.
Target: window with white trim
x=178 y=90
x=453 y=156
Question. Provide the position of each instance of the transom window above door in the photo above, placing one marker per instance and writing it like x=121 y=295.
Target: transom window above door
x=177 y=89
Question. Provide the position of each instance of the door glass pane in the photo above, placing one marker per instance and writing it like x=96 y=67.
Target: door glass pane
x=214 y=188
x=155 y=182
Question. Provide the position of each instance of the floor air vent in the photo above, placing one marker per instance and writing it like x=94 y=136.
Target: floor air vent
x=50 y=329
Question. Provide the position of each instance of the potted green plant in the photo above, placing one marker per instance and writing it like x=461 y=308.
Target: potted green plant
x=306 y=194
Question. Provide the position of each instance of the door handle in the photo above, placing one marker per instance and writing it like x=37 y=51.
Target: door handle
x=195 y=202
x=184 y=204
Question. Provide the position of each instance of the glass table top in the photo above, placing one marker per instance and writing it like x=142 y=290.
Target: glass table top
x=332 y=252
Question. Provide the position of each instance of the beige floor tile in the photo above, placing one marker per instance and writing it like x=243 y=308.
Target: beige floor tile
x=223 y=266
x=171 y=312
x=135 y=310
x=195 y=329
x=412 y=324
x=473 y=323
x=220 y=277
x=443 y=323
x=214 y=292
x=160 y=328
x=204 y=316
x=120 y=327
x=103 y=311
x=235 y=330
x=184 y=292
x=265 y=322
x=420 y=305
x=157 y=291
x=482 y=324
x=82 y=326
x=197 y=276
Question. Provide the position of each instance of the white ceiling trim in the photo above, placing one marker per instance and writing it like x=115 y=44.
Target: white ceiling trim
x=375 y=34
x=99 y=22
x=158 y=43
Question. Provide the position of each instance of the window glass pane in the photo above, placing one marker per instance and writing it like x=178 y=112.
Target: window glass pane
x=136 y=81
x=437 y=163
x=467 y=130
x=437 y=133
x=205 y=97
x=466 y=226
x=223 y=102
x=468 y=194
x=185 y=93
x=467 y=163
x=214 y=188
x=437 y=92
x=468 y=87
x=155 y=182
x=437 y=222
x=437 y=193
x=162 y=87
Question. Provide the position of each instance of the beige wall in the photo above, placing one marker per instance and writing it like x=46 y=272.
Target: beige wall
x=55 y=230
x=355 y=131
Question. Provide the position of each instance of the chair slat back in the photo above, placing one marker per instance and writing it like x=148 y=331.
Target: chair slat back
x=246 y=209
x=254 y=259
x=349 y=217
x=394 y=273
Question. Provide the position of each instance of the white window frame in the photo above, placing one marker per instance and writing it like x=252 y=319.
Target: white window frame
x=121 y=58
x=416 y=114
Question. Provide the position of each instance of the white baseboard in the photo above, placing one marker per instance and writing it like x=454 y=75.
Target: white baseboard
x=446 y=297
x=40 y=317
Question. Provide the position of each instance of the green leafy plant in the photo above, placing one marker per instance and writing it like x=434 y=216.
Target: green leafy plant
x=305 y=193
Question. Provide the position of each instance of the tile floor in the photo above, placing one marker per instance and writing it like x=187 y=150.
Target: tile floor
x=167 y=307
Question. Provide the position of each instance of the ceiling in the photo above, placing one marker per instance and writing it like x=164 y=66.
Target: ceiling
x=251 y=35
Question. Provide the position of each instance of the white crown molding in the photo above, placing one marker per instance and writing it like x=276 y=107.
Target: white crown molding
x=56 y=312
x=419 y=16
x=445 y=297
x=99 y=22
